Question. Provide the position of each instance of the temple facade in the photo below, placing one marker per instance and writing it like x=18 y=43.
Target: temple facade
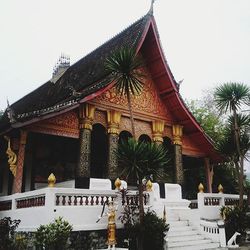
x=72 y=125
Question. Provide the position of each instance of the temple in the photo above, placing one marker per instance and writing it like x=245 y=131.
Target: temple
x=72 y=124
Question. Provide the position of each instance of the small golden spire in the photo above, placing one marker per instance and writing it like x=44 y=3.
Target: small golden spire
x=149 y=186
x=51 y=180
x=118 y=184
x=220 y=189
x=201 y=188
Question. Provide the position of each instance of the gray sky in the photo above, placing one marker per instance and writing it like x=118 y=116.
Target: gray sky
x=206 y=42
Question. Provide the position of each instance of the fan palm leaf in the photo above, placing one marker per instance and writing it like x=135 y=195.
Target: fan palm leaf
x=123 y=68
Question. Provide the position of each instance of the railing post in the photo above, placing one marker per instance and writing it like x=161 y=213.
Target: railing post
x=222 y=200
x=222 y=233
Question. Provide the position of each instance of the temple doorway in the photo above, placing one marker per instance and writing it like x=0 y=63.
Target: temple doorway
x=46 y=154
x=99 y=151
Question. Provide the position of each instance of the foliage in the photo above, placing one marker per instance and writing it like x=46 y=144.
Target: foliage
x=208 y=117
x=1 y=113
x=84 y=240
x=230 y=96
x=237 y=219
x=225 y=174
x=53 y=236
x=153 y=229
x=140 y=159
x=123 y=68
x=7 y=233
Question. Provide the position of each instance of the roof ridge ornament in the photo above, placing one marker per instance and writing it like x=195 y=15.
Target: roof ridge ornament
x=10 y=113
x=151 y=10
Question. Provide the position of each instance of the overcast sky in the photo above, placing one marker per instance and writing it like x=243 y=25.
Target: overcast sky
x=206 y=42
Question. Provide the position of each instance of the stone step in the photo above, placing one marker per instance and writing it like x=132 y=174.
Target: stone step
x=189 y=243
x=178 y=223
x=195 y=247
x=182 y=233
x=185 y=238
x=180 y=228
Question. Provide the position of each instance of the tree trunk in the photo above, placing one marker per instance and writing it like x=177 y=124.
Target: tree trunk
x=141 y=215
x=131 y=113
x=240 y=159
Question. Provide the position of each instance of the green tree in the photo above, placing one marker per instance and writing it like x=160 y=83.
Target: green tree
x=140 y=159
x=207 y=116
x=1 y=113
x=124 y=70
x=230 y=97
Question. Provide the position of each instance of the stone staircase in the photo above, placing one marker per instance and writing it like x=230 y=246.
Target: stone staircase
x=182 y=236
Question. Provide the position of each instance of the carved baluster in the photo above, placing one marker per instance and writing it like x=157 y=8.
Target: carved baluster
x=43 y=201
x=81 y=202
x=69 y=201
x=102 y=201
x=57 y=200
x=75 y=200
x=97 y=200
x=87 y=200
x=64 y=200
x=92 y=201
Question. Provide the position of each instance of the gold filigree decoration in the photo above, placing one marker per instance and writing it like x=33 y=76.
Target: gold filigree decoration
x=114 y=118
x=158 y=128
x=12 y=157
x=177 y=134
x=148 y=101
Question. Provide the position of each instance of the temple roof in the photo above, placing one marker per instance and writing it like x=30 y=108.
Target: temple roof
x=85 y=80
x=84 y=77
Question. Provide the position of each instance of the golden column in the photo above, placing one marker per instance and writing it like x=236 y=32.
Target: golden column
x=17 y=185
x=158 y=128
x=86 y=117
x=114 y=118
x=177 y=141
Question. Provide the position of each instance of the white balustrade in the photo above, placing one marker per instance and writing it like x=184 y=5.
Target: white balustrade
x=81 y=207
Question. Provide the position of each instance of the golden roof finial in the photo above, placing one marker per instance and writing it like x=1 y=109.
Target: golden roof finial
x=51 y=180
x=118 y=184
x=220 y=189
x=201 y=188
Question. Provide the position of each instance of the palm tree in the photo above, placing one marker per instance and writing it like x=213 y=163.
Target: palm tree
x=123 y=68
x=140 y=159
x=230 y=97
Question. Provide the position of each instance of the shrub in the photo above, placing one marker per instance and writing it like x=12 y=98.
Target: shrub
x=7 y=233
x=53 y=236
x=152 y=229
x=236 y=220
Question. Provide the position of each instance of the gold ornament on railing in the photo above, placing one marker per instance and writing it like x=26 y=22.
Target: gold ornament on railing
x=51 y=180
x=201 y=188
x=118 y=184
x=220 y=189
x=149 y=186
x=12 y=158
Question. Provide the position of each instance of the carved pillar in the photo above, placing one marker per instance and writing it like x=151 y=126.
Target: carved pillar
x=18 y=180
x=86 y=117
x=209 y=175
x=114 y=118
x=158 y=128
x=177 y=141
